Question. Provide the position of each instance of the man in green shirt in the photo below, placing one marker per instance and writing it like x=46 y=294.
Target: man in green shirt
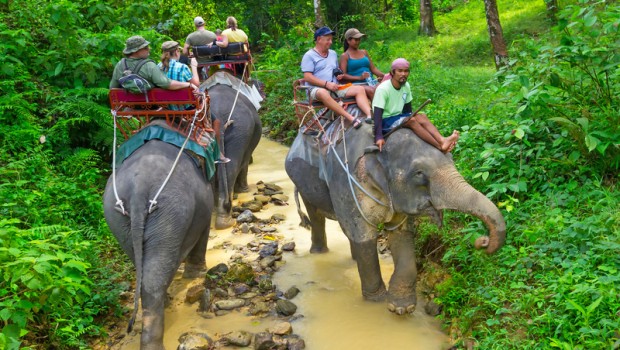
x=136 y=50
x=392 y=105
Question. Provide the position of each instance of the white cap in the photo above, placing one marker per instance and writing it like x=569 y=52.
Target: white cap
x=198 y=21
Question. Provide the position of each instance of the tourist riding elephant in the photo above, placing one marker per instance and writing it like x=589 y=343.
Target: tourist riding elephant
x=159 y=236
x=362 y=191
x=242 y=131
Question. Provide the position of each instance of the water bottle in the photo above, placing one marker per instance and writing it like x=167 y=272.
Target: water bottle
x=370 y=81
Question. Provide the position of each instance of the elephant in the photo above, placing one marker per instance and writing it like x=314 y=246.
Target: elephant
x=407 y=179
x=158 y=240
x=241 y=133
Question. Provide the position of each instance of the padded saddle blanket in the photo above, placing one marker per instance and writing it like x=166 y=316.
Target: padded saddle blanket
x=159 y=130
x=225 y=78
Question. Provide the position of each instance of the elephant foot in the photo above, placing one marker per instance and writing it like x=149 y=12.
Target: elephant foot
x=401 y=306
x=242 y=189
x=194 y=271
x=223 y=222
x=376 y=296
x=318 y=250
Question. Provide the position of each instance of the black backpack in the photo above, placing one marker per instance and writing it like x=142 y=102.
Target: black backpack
x=133 y=82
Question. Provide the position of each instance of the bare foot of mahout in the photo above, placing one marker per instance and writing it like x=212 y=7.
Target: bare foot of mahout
x=450 y=142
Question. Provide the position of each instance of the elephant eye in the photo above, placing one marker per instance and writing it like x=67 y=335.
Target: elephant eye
x=418 y=173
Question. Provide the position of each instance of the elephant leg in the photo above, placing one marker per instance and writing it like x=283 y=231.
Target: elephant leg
x=226 y=181
x=367 y=258
x=402 y=295
x=317 y=223
x=195 y=263
x=156 y=280
x=241 y=185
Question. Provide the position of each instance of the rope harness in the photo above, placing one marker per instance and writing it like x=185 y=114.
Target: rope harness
x=153 y=202
x=350 y=178
x=229 y=121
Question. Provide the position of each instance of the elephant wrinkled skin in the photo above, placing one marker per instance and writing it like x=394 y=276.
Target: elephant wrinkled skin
x=408 y=178
x=159 y=241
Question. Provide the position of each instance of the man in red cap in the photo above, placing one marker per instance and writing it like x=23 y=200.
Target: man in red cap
x=321 y=72
x=392 y=105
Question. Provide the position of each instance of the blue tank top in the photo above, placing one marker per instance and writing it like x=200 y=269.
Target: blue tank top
x=358 y=66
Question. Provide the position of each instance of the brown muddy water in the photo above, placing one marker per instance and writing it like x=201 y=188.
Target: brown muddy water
x=334 y=314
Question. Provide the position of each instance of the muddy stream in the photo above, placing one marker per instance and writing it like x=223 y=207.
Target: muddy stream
x=331 y=313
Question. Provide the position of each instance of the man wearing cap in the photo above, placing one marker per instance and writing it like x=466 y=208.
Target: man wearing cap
x=202 y=37
x=392 y=106
x=321 y=73
x=136 y=50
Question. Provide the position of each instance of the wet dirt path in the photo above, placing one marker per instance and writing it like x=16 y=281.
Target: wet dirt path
x=334 y=314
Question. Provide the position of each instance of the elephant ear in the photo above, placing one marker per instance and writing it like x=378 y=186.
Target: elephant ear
x=372 y=169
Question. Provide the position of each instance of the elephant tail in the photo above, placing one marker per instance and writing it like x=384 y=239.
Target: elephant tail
x=138 y=218
x=305 y=220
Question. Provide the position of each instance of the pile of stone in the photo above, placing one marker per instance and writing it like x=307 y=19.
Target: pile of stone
x=245 y=283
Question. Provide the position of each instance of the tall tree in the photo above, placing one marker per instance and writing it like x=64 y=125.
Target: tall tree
x=552 y=10
x=500 y=53
x=318 y=16
x=427 y=24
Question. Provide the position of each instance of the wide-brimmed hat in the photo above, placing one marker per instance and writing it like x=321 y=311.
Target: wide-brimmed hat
x=134 y=44
x=198 y=21
x=353 y=33
x=169 y=45
x=323 y=31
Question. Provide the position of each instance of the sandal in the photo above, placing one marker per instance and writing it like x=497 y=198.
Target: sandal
x=357 y=123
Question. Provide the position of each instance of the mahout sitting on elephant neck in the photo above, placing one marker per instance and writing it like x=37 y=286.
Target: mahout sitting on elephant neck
x=415 y=178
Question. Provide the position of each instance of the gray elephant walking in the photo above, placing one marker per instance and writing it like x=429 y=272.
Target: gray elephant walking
x=242 y=131
x=408 y=178
x=158 y=241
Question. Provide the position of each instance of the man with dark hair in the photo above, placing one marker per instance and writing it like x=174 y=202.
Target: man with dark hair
x=321 y=73
x=392 y=106
x=136 y=50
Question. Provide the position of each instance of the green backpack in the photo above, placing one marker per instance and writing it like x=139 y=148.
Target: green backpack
x=132 y=81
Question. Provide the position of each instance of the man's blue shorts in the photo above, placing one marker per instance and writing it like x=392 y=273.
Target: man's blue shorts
x=390 y=123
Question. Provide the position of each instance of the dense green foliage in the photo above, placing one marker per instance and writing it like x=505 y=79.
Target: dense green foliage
x=540 y=138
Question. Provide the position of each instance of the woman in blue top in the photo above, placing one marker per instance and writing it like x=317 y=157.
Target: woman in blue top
x=356 y=64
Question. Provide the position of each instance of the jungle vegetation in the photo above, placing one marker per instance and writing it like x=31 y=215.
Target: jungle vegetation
x=540 y=137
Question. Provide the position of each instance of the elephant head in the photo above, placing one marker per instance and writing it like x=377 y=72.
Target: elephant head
x=418 y=179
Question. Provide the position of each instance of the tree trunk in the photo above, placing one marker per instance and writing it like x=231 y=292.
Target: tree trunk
x=552 y=10
x=427 y=25
x=318 y=16
x=496 y=34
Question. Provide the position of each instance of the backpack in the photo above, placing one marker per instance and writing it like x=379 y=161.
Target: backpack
x=133 y=82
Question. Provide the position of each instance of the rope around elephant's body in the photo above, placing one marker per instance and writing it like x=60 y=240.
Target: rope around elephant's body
x=153 y=201
x=228 y=121
x=119 y=202
x=189 y=134
x=350 y=178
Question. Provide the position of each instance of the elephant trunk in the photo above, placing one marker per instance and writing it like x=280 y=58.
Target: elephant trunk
x=449 y=190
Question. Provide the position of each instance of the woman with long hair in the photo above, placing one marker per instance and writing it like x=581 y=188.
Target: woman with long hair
x=356 y=63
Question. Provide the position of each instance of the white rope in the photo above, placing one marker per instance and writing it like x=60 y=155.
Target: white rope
x=349 y=176
x=119 y=202
x=228 y=121
x=189 y=134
